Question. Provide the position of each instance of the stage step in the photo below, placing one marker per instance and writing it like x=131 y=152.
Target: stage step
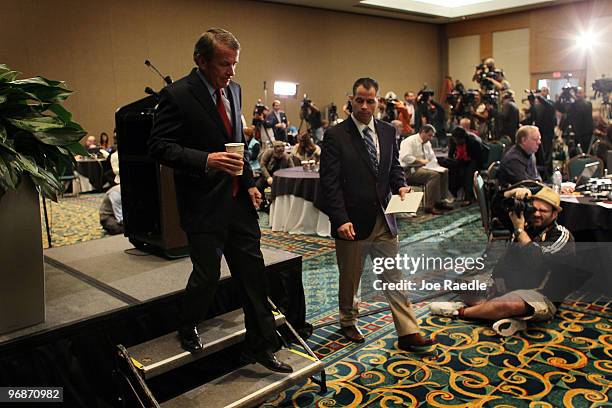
x=165 y=353
x=250 y=385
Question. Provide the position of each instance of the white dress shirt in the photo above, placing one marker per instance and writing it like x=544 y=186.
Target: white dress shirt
x=361 y=126
x=413 y=148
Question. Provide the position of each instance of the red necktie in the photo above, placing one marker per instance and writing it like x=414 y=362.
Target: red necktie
x=228 y=128
x=223 y=114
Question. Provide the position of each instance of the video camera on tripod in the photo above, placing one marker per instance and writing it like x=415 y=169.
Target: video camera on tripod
x=531 y=95
x=490 y=97
x=304 y=105
x=485 y=72
x=424 y=94
x=568 y=92
x=259 y=107
x=332 y=113
x=461 y=100
x=390 y=101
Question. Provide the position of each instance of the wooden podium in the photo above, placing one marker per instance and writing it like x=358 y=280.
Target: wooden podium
x=150 y=215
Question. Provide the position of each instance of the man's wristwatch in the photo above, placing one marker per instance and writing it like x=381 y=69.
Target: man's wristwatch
x=518 y=231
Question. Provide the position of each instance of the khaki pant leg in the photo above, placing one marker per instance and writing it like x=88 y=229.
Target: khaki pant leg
x=350 y=258
x=386 y=245
x=431 y=180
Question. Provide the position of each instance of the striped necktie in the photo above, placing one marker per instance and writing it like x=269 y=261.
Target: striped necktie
x=369 y=142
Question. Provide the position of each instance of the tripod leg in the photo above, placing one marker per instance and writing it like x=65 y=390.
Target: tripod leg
x=47 y=221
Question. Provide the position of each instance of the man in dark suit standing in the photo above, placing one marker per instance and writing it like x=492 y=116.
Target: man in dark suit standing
x=277 y=121
x=359 y=171
x=195 y=117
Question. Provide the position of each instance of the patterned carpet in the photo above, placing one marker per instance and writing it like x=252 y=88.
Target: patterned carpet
x=565 y=362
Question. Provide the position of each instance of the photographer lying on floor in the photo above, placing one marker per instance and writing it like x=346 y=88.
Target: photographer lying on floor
x=533 y=277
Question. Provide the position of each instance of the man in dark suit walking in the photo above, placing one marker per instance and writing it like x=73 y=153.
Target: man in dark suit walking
x=195 y=118
x=359 y=171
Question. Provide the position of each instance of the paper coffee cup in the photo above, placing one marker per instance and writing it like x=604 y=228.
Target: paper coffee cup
x=235 y=148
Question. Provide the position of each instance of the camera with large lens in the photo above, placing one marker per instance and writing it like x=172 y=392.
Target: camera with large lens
x=305 y=102
x=424 y=95
x=490 y=97
x=390 y=109
x=304 y=105
x=519 y=206
x=332 y=113
x=259 y=108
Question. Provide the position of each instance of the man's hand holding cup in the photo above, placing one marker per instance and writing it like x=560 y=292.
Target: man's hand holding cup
x=231 y=161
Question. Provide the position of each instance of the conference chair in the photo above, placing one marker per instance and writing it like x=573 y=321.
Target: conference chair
x=496 y=152
x=494 y=230
x=576 y=164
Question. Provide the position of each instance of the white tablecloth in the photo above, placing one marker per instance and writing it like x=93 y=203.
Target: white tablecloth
x=295 y=215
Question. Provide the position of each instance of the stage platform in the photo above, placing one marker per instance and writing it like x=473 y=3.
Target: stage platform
x=105 y=292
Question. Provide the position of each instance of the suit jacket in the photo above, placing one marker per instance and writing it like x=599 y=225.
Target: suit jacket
x=349 y=190
x=271 y=121
x=186 y=128
x=475 y=150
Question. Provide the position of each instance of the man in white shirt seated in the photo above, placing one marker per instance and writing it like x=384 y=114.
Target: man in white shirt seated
x=421 y=166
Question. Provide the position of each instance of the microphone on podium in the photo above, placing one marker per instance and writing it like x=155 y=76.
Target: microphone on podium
x=149 y=91
x=166 y=79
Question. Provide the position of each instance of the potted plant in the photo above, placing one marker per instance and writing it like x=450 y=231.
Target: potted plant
x=38 y=141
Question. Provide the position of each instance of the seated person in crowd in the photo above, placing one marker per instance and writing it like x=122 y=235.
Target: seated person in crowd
x=270 y=161
x=519 y=162
x=305 y=149
x=114 y=163
x=465 y=156
x=421 y=165
x=253 y=147
x=466 y=124
x=532 y=277
x=277 y=121
x=111 y=214
x=91 y=145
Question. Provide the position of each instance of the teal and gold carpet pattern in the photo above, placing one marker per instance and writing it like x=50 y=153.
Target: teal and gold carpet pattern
x=563 y=363
x=73 y=220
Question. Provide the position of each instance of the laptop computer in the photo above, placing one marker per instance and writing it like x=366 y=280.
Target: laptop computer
x=587 y=173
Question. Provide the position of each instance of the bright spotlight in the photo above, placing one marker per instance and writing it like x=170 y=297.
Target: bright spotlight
x=586 y=40
x=285 y=89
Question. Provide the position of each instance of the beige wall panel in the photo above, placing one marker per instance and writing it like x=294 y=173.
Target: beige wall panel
x=13 y=51
x=599 y=58
x=463 y=56
x=511 y=53
x=99 y=49
x=551 y=31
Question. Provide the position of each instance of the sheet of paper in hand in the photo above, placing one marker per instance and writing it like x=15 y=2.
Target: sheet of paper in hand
x=409 y=205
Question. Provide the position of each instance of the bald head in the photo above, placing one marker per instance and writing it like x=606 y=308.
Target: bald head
x=465 y=123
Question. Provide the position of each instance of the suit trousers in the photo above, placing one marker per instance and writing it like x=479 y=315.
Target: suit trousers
x=436 y=185
x=351 y=257
x=240 y=244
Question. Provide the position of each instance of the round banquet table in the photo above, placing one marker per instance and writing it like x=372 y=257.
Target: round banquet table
x=588 y=221
x=293 y=194
x=91 y=174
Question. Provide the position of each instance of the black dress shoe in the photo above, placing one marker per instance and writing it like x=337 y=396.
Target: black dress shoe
x=425 y=346
x=266 y=359
x=306 y=331
x=190 y=339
